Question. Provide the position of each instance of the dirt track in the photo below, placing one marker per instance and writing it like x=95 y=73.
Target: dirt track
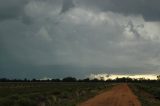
x=120 y=95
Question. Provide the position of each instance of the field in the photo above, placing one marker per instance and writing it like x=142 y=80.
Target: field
x=48 y=94
x=148 y=93
x=79 y=93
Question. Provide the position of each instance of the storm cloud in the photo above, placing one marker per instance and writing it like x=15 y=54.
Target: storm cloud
x=57 y=38
x=149 y=9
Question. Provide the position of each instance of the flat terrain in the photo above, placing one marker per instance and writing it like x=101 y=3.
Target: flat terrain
x=81 y=93
x=119 y=95
x=48 y=93
x=148 y=93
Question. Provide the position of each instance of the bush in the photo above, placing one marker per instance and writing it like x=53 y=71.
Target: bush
x=25 y=102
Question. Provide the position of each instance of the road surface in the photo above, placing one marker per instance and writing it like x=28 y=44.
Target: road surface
x=119 y=95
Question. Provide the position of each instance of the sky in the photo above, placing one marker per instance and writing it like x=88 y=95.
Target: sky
x=60 y=38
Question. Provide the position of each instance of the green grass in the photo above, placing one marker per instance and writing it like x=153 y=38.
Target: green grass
x=51 y=94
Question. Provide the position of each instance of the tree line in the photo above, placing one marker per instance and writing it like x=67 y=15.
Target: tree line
x=73 y=79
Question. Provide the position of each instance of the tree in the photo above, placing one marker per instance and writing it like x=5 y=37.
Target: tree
x=158 y=77
x=69 y=79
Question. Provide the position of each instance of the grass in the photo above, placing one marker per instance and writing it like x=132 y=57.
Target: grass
x=148 y=93
x=50 y=94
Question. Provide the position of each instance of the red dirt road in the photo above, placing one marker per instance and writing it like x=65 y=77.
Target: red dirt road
x=119 y=95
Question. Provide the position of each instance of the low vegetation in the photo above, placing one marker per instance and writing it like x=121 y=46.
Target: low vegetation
x=48 y=93
x=70 y=91
x=148 y=93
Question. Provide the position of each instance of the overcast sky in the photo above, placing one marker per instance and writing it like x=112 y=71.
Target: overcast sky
x=59 y=38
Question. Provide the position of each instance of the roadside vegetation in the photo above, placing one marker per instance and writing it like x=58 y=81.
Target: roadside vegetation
x=48 y=93
x=70 y=91
x=148 y=93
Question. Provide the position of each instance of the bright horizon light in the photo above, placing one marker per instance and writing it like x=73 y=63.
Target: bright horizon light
x=114 y=76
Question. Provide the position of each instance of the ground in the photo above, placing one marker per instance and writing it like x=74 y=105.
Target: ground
x=79 y=93
x=119 y=95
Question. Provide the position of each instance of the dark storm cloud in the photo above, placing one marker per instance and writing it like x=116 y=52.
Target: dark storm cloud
x=11 y=8
x=150 y=9
x=67 y=4
x=57 y=38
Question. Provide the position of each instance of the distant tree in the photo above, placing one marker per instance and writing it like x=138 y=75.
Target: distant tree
x=158 y=77
x=124 y=79
x=69 y=79
x=142 y=79
x=55 y=80
x=33 y=80
x=4 y=80
x=102 y=78
x=84 y=80
x=95 y=80
x=25 y=80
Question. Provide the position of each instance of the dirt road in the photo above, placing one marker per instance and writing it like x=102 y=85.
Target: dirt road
x=119 y=95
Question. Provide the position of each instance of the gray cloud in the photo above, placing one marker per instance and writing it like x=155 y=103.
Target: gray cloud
x=67 y=5
x=91 y=37
x=149 y=9
x=11 y=8
x=132 y=29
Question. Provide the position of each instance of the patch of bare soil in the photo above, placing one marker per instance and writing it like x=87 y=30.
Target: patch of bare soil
x=119 y=95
